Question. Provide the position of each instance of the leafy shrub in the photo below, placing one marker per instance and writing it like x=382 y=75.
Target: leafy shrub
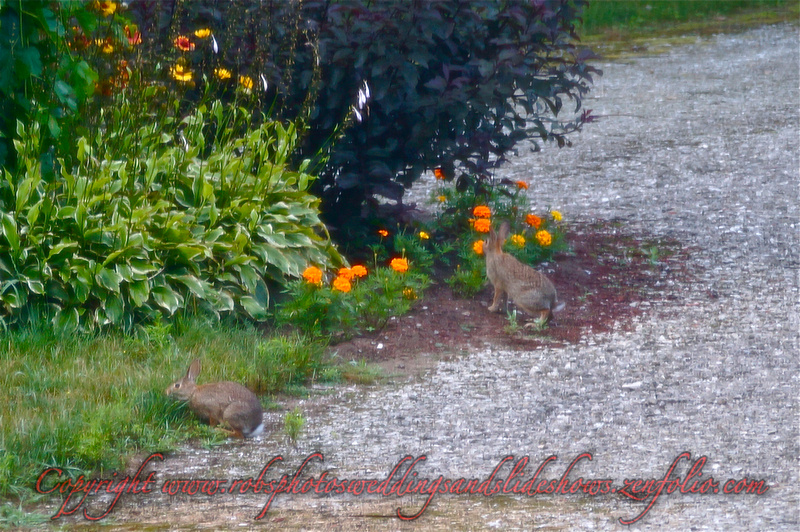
x=452 y=83
x=41 y=79
x=156 y=218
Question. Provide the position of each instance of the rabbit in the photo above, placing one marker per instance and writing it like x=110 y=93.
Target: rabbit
x=530 y=290
x=226 y=401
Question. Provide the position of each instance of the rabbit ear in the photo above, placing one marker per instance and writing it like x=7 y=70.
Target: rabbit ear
x=505 y=229
x=194 y=370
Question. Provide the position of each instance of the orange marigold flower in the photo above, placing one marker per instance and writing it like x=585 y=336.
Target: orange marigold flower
x=359 y=271
x=438 y=173
x=106 y=8
x=399 y=265
x=544 y=238
x=202 y=33
x=441 y=199
x=183 y=43
x=533 y=220
x=482 y=225
x=346 y=273
x=383 y=232
x=481 y=211
x=181 y=74
x=342 y=284
x=518 y=240
x=222 y=73
x=477 y=247
x=522 y=185
x=312 y=275
x=246 y=82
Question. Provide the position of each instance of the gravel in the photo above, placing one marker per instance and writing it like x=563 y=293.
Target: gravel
x=701 y=145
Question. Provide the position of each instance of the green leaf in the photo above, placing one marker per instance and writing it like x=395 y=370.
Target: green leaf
x=10 y=231
x=253 y=307
x=108 y=279
x=114 y=308
x=196 y=286
x=167 y=299
x=66 y=319
x=139 y=292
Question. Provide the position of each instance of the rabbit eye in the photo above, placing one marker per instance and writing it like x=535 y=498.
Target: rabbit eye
x=177 y=385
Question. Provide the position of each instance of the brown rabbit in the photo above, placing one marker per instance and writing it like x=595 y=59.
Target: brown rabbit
x=226 y=401
x=529 y=289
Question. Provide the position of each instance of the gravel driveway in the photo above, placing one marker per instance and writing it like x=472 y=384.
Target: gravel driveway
x=701 y=145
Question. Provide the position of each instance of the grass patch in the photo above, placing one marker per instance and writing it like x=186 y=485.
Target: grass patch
x=362 y=373
x=87 y=403
x=616 y=27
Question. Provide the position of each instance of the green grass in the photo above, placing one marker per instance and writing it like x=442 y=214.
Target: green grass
x=647 y=15
x=87 y=403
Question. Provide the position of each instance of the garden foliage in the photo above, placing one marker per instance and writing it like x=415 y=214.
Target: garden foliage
x=40 y=78
x=453 y=83
x=156 y=218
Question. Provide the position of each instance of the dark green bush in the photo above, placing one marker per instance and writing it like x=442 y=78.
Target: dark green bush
x=452 y=83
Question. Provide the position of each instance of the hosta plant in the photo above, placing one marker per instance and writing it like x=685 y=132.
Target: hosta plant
x=156 y=217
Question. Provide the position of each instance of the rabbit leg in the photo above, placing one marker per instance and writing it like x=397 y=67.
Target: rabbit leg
x=498 y=294
x=235 y=433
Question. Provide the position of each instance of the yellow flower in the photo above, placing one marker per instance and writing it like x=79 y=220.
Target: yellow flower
x=556 y=215
x=533 y=220
x=522 y=185
x=202 y=33
x=482 y=225
x=183 y=43
x=383 y=232
x=518 y=240
x=246 y=82
x=342 y=284
x=481 y=211
x=359 y=271
x=544 y=238
x=399 y=265
x=181 y=74
x=106 y=8
x=222 y=73
x=477 y=247
x=441 y=199
x=312 y=275
x=409 y=293
x=423 y=235
x=105 y=45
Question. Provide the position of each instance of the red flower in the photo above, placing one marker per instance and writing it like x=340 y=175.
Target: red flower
x=183 y=43
x=133 y=35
